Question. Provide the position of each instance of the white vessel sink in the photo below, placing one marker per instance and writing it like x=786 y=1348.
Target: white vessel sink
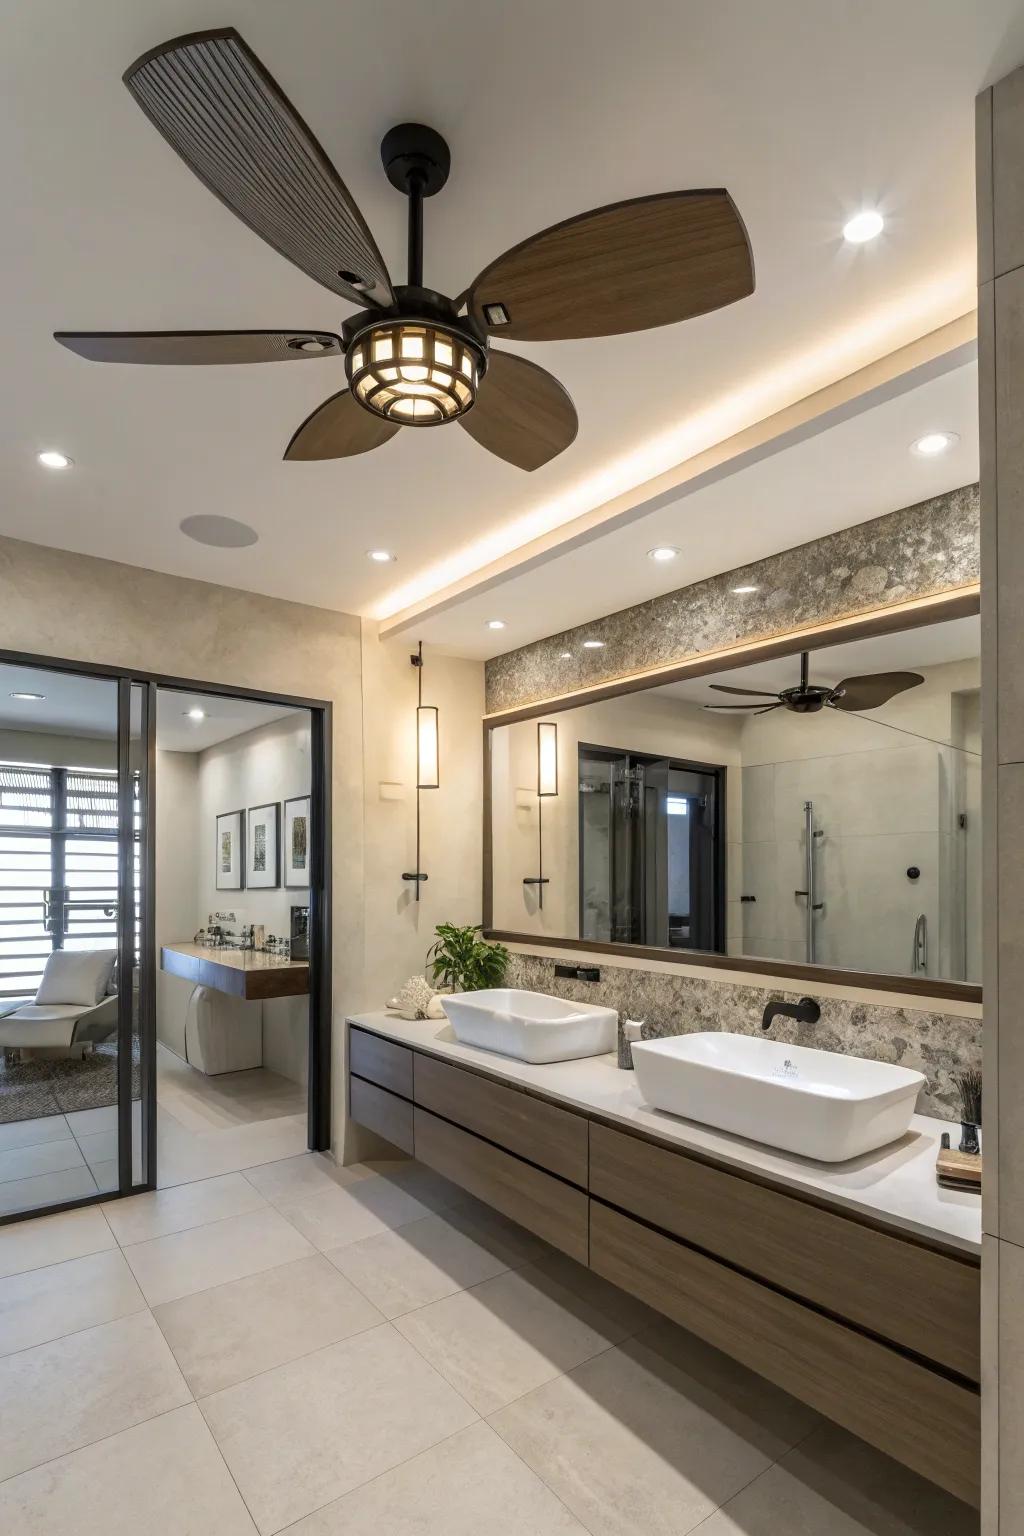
x=816 y=1103
x=530 y=1025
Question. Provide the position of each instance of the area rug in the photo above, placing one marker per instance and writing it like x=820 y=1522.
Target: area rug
x=34 y=1089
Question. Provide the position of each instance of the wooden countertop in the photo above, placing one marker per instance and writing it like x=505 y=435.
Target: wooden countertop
x=246 y=973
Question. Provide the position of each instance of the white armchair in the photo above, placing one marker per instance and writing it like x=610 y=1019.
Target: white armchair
x=73 y=1006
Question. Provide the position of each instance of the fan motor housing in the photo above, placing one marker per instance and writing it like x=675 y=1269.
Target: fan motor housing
x=806 y=701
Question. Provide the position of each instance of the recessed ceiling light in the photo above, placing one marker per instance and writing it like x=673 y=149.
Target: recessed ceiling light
x=495 y=623
x=196 y=714
x=863 y=226
x=934 y=442
x=54 y=459
x=593 y=645
x=663 y=553
x=35 y=696
x=743 y=590
x=380 y=556
x=220 y=532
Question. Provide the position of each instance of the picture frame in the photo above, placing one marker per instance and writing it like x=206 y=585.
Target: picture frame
x=297 y=842
x=263 y=847
x=229 y=851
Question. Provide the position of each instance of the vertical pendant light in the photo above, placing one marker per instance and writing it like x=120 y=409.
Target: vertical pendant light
x=428 y=774
x=547 y=788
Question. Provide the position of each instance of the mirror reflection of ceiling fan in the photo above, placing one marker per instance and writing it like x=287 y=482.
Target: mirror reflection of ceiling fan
x=852 y=694
x=413 y=356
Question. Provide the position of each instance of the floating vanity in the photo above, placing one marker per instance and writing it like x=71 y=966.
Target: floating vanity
x=246 y=973
x=854 y=1286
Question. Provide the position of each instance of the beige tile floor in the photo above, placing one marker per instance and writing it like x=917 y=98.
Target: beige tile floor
x=364 y=1352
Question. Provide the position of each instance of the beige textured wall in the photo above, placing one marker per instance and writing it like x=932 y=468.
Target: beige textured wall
x=60 y=605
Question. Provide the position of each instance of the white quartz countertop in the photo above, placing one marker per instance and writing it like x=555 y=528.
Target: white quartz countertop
x=895 y=1186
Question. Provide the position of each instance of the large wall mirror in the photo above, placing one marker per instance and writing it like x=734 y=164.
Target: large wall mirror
x=819 y=808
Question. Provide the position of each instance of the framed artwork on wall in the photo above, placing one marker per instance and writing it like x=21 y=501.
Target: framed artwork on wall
x=296 y=841
x=229 y=860
x=262 y=845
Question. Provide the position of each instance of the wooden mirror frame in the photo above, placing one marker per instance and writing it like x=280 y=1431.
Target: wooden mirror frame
x=963 y=603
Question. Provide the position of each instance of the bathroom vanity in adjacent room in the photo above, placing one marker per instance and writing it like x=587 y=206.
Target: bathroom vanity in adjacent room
x=854 y=1286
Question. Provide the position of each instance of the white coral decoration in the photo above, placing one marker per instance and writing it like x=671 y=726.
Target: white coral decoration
x=416 y=1000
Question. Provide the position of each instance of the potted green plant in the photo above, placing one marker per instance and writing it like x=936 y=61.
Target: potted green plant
x=461 y=959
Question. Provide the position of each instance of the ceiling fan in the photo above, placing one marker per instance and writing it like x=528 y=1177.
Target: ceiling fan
x=852 y=694
x=415 y=357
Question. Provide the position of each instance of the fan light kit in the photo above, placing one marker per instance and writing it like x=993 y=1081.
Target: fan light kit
x=851 y=695
x=863 y=226
x=415 y=357
x=934 y=443
x=663 y=553
x=52 y=458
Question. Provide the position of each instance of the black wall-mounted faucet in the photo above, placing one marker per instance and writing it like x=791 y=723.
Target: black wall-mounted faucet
x=806 y=1011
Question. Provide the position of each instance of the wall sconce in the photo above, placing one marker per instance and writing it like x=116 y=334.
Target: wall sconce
x=547 y=787
x=428 y=774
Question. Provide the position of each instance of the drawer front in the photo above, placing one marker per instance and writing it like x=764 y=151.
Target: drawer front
x=554 y=1138
x=544 y=1205
x=384 y=1063
x=925 y=1301
x=914 y=1414
x=382 y=1112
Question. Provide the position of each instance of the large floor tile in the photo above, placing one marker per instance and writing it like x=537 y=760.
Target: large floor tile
x=234 y=1331
x=184 y=1262
x=47 y=1189
x=301 y=1435
x=162 y=1211
x=185 y=1156
x=86 y=1122
x=632 y=1443
x=42 y=1304
x=29 y=1133
x=296 y=1178
x=42 y=1157
x=334 y=1217
x=415 y=1264
x=165 y=1478
x=432 y=1188
x=81 y=1388
x=98 y=1147
x=507 y=1336
x=470 y=1485
x=52 y=1239
x=835 y=1485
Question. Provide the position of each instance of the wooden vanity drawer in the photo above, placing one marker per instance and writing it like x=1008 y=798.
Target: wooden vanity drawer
x=555 y=1139
x=922 y=1418
x=926 y=1301
x=554 y=1211
x=383 y=1112
x=384 y=1063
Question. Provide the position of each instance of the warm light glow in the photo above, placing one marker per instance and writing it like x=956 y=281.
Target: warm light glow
x=863 y=226
x=867 y=338
x=740 y=591
x=381 y=556
x=495 y=623
x=52 y=458
x=427 y=765
x=593 y=645
x=418 y=374
x=934 y=443
x=547 y=758
x=196 y=714
x=663 y=553
x=567 y=655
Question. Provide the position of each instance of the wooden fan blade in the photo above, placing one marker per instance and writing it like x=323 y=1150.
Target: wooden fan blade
x=232 y=124
x=650 y=261
x=202 y=347
x=760 y=708
x=754 y=692
x=338 y=429
x=855 y=693
x=522 y=413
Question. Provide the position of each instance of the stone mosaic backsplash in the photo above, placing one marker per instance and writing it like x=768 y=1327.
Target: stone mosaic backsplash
x=919 y=551
x=936 y=1044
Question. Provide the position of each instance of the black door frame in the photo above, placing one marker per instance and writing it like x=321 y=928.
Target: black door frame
x=320 y=906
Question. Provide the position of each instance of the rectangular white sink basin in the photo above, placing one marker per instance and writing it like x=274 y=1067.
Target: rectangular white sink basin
x=530 y=1025
x=818 y=1104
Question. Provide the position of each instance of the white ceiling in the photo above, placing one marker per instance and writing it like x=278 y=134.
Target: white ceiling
x=854 y=471
x=956 y=640
x=76 y=705
x=805 y=112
